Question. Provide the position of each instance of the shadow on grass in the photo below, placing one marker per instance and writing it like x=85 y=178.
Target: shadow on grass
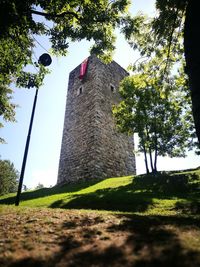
x=189 y=206
x=134 y=197
x=164 y=183
x=137 y=196
x=44 y=192
x=120 y=199
x=137 y=241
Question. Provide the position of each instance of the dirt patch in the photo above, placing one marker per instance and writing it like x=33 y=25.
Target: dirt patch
x=53 y=237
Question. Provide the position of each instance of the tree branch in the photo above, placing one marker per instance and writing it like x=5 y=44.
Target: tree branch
x=171 y=39
x=53 y=15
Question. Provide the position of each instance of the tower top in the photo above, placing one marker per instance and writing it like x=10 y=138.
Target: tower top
x=82 y=67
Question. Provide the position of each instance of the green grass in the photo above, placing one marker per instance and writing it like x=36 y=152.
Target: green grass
x=164 y=194
x=143 y=220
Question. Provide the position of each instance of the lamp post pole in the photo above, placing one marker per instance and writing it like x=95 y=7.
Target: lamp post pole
x=26 y=151
x=45 y=60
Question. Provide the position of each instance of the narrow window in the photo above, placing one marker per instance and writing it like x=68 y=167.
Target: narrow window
x=80 y=90
x=112 y=88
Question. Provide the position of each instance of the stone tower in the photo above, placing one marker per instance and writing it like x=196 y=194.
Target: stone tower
x=91 y=145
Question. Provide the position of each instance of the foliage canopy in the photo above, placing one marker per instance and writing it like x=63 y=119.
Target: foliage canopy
x=21 y=22
x=176 y=21
x=8 y=177
x=158 y=108
x=62 y=22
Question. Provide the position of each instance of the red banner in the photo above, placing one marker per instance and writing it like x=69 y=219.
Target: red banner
x=83 y=68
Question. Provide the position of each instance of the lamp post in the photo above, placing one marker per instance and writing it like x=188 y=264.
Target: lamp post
x=45 y=60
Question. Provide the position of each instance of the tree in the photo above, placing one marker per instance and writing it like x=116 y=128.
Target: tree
x=8 y=177
x=21 y=22
x=192 y=57
x=176 y=16
x=25 y=188
x=39 y=186
x=6 y=107
x=183 y=15
x=157 y=108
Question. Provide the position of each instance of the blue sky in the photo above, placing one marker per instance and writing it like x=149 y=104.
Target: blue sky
x=44 y=149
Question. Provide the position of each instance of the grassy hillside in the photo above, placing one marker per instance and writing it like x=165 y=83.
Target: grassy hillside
x=151 y=221
x=166 y=194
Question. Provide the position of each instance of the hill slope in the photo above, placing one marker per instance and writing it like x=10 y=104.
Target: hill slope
x=147 y=221
x=166 y=193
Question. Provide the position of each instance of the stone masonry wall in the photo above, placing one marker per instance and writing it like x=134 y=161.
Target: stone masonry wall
x=91 y=145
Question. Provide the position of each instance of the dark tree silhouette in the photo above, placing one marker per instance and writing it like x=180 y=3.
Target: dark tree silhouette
x=192 y=57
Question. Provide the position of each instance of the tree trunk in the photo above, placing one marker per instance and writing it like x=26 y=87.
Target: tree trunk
x=145 y=155
x=150 y=151
x=155 y=161
x=145 y=160
x=192 y=57
x=155 y=157
x=155 y=149
x=151 y=159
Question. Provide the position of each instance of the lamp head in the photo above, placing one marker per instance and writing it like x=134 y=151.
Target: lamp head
x=45 y=60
